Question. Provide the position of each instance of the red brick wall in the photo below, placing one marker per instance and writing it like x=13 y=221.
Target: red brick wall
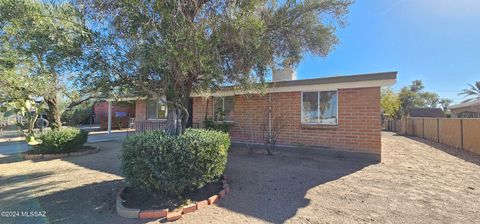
x=101 y=112
x=359 y=125
x=199 y=109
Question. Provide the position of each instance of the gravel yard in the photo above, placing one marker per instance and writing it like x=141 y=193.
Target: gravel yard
x=415 y=182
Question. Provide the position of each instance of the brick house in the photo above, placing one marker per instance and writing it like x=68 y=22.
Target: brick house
x=341 y=112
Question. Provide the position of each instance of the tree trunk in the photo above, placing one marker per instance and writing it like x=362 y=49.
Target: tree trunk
x=54 y=114
x=171 y=127
x=177 y=110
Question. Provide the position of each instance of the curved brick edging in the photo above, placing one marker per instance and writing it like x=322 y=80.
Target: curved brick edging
x=27 y=156
x=122 y=210
x=170 y=215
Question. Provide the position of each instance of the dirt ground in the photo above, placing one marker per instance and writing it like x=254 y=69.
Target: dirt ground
x=416 y=182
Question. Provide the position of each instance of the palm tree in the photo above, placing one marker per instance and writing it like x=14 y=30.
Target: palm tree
x=473 y=92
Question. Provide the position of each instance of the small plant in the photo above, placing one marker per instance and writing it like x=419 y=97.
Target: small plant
x=64 y=140
x=174 y=165
x=209 y=124
x=271 y=129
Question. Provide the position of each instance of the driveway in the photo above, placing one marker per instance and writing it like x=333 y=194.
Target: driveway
x=21 y=146
x=415 y=182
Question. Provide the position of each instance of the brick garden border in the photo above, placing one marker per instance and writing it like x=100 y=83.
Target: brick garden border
x=28 y=156
x=170 y=215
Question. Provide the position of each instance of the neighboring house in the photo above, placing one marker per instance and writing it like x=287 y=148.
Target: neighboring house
x=466 y=110
x=425 y=112
x=340 y=112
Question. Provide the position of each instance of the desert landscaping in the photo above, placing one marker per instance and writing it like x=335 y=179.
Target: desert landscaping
x=415 y=181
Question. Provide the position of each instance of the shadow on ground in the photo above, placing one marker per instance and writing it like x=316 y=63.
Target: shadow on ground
x=273 y=188
x=107 y=160
x=269 y=188
x=459 y=153
x=16 y=197
x=93 y=203
x=88 y=203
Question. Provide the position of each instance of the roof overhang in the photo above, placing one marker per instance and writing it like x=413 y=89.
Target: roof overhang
x=467 y=104
x=318 y=84
x=116 y=99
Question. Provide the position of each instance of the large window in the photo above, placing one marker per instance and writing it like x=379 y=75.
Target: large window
x=156 y=109
x=320 y=107
x=223 y=108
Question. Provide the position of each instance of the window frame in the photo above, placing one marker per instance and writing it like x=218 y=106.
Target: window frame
x=318 y=107
x=223 y=107
x=155 y=119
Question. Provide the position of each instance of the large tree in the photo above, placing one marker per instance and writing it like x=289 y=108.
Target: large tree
x=414 y=95
x=173 y=48
x=390 y=103
x=445 y=103
x=430 y=99
x=48 y=40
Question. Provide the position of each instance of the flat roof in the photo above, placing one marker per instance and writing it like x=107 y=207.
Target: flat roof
x=378 y=79
x=325 y=83
x=333 y=79
x=341 y=79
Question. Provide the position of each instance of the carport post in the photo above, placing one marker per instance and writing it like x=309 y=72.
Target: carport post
x=109 y=117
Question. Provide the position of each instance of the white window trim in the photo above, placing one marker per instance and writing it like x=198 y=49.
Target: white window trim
x=318 y=99
x=155 y=119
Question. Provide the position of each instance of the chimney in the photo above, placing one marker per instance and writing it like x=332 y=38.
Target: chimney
x=285 y=74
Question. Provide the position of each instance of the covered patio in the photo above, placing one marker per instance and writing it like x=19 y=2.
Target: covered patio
x=140 y=122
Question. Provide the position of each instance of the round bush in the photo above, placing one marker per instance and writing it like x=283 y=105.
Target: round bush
x=175 y=165
x=67 y=139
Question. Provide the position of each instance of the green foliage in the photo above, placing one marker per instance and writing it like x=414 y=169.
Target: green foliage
x=174 y=165
x=77 y=115
x=43 y=46
x=396 y=105
x=210 y=124
x=29 y=109
x=199 y=45
x=445 y=103
x=430 y=99
x=414 y=96
x=390 y=103
x=67 y=139
x=472 y=92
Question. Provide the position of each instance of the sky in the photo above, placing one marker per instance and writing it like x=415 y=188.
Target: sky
x=436 y=41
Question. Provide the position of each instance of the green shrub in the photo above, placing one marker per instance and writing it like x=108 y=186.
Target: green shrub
x=217 y=126
x=67 y=139
x=174 y=165
x=79 y=115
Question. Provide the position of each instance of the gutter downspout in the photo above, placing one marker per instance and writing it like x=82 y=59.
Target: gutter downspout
x=269 y=116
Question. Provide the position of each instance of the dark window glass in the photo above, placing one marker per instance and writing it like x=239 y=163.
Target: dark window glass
x=320 y=107
x=223 y=108
x=156 y=109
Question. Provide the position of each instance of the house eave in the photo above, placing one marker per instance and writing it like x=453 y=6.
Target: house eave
x=319 y=84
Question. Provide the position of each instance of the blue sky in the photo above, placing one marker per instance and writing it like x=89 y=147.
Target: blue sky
x=437 y=41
